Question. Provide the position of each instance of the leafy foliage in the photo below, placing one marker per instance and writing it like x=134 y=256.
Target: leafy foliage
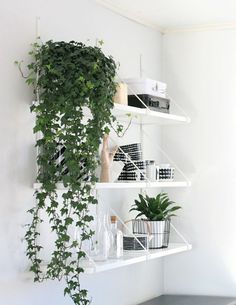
x=155 y=208
x=67 y=77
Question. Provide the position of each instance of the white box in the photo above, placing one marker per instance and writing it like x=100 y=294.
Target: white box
x=146 y=86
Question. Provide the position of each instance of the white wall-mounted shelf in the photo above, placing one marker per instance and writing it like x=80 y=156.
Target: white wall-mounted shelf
x=130 y=258
x=143 y=116
x=146 y=116
x=128 y=185
x=138 y=185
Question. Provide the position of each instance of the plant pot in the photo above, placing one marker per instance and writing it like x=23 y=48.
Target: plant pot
x=159 y=230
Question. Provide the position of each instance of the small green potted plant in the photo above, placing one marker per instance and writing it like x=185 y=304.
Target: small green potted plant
x=157 y=212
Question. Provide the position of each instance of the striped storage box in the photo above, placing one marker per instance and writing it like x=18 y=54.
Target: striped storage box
x=137 y=243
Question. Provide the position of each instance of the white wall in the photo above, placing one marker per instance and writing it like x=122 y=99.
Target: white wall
x=200 y=71
x=60 y=20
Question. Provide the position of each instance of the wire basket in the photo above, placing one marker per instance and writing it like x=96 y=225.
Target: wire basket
x=158 y=230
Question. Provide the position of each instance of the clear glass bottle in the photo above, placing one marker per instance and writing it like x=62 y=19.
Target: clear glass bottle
x=101 y=241
x=116 y=247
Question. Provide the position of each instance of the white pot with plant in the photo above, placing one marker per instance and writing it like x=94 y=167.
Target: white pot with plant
x=156 y=212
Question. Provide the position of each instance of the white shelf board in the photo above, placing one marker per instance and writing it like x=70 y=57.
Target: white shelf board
x=139 y=185
x=146 y=116
x=130 y=258
x=128 y=185
x=142 y=115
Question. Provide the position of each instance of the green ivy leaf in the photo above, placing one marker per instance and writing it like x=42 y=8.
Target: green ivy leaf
x=65 y=77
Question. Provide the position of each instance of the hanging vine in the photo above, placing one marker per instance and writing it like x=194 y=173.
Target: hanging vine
x=67 y=77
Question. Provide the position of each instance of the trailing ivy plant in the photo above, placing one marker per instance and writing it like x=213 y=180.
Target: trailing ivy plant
x=66 y=77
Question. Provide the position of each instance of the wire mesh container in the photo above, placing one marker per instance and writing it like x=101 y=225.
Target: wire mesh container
x=159 y=231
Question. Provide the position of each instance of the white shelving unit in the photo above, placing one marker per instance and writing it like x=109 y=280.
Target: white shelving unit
x=130 y=258
x=141 y=116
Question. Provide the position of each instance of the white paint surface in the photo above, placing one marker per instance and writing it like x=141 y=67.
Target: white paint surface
x=169 y=15
x=200 y=71
x=78 y=20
